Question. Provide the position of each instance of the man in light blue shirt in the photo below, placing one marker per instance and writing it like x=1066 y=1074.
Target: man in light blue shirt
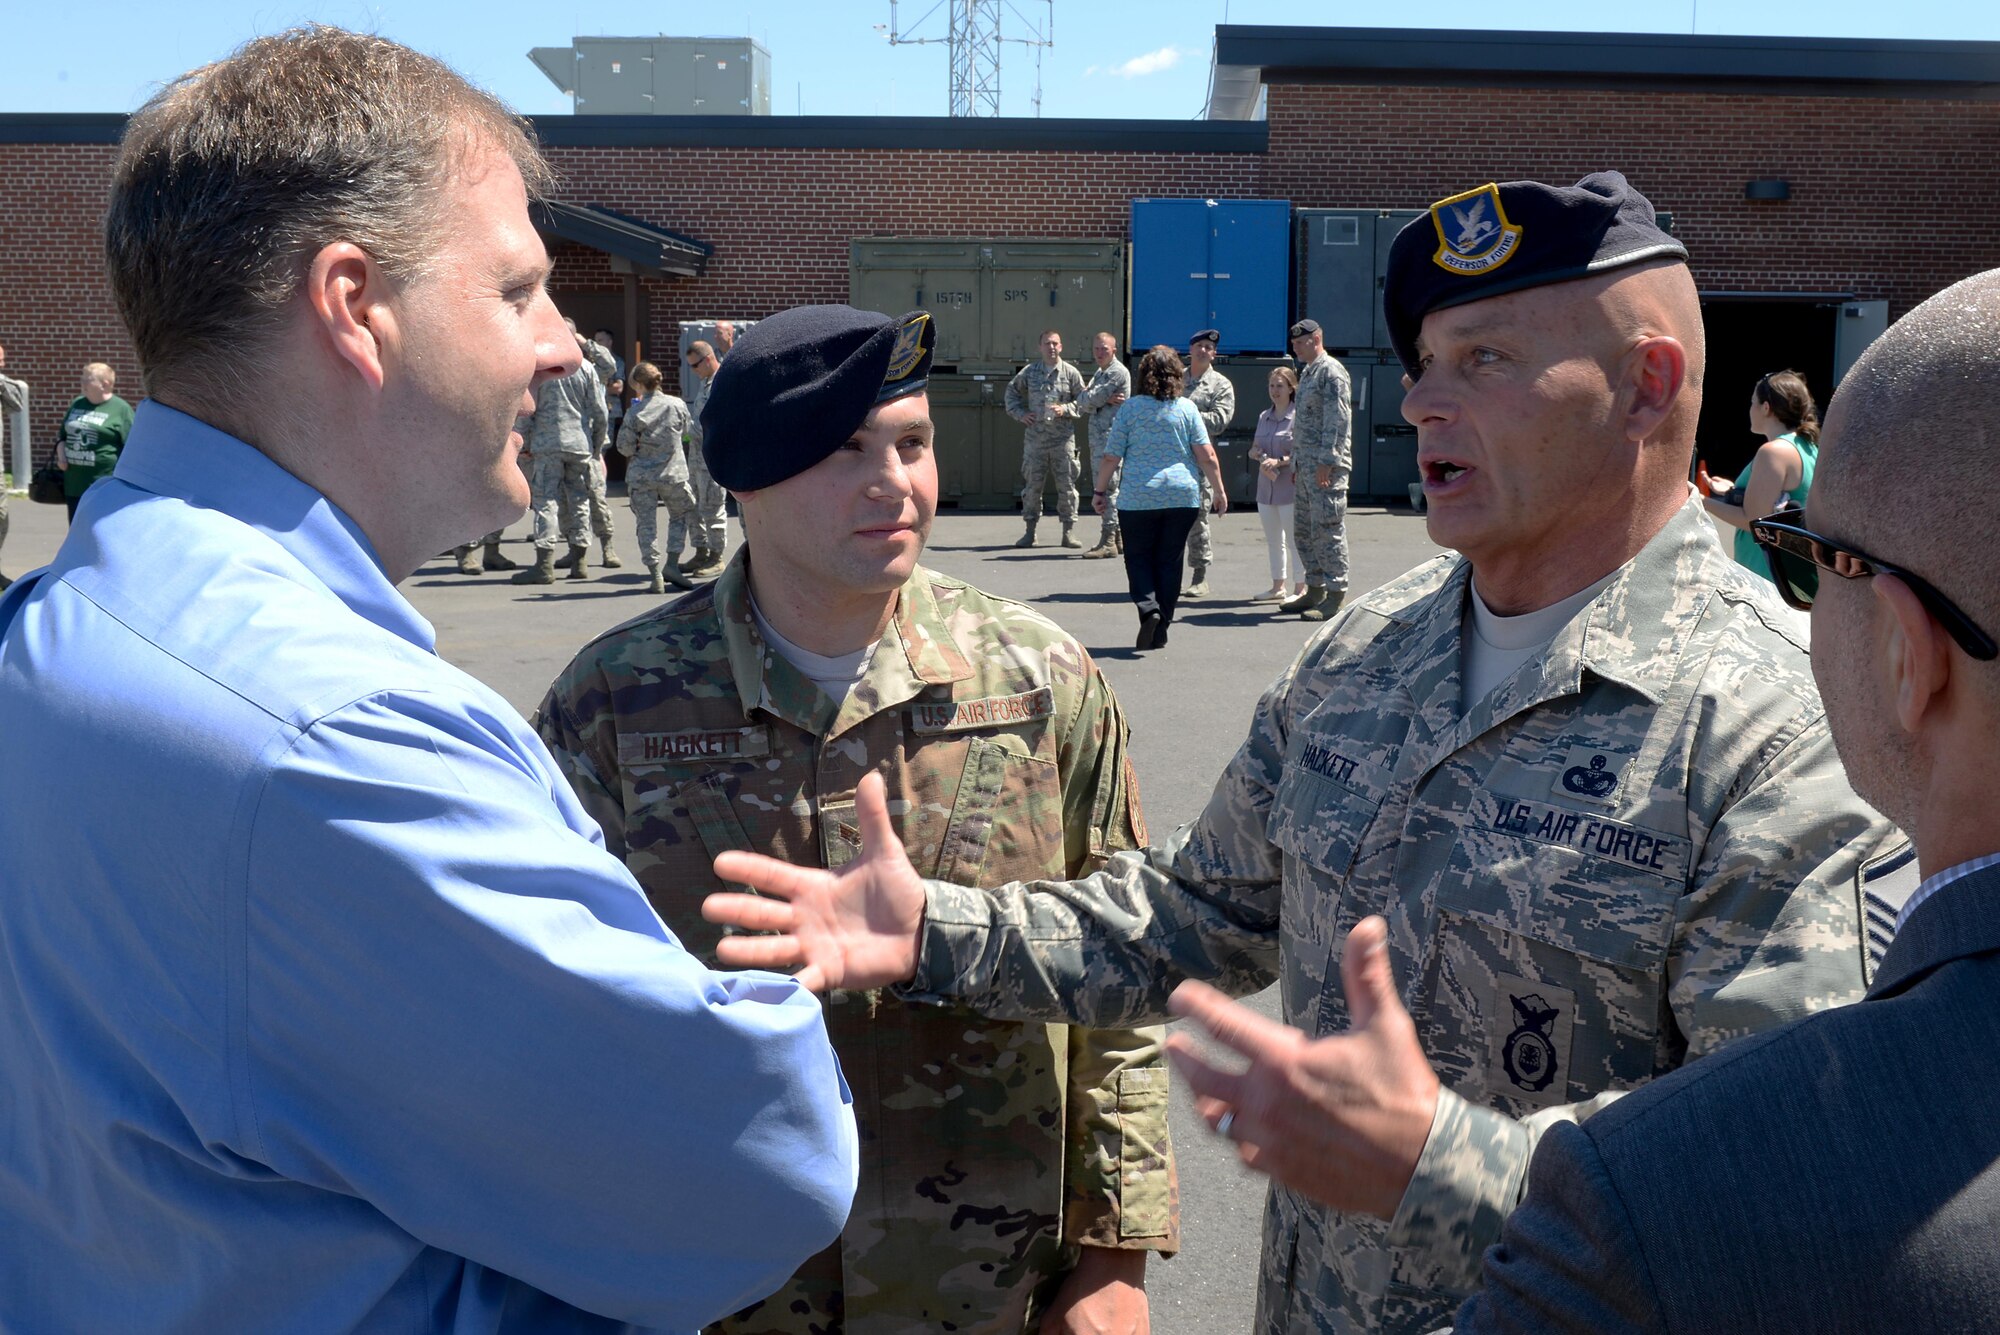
x=322 y=1007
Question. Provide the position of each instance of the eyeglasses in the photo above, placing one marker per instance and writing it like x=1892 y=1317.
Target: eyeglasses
x=1797 y=555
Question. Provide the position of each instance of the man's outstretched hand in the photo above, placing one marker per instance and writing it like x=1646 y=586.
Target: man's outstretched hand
x=856 y=928
x=1342 y=1119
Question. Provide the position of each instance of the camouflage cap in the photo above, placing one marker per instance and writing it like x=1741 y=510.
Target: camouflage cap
x=796 y=386
x=1504 y=238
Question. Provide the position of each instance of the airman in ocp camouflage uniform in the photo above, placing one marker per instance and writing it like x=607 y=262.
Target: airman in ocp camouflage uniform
x=992 y=1152
x=1628 y=847
x=1322 y=439
x=1043 y=396
x=1215 y=399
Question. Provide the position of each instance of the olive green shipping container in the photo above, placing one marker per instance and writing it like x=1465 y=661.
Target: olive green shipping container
x=992 y=298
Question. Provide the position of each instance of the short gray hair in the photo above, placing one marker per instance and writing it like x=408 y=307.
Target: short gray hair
x=234 y=175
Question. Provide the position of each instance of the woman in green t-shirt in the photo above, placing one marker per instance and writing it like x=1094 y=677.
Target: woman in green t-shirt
x=1782 y=411
x=93 y=432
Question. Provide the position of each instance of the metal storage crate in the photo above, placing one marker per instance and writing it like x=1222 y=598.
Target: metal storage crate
x=1203 y=263
x=992 y=297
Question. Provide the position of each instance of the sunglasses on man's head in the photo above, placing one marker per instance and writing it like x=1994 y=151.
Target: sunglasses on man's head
x=1797 y=555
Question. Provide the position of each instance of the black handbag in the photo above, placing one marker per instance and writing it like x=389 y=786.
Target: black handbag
x=46 y=486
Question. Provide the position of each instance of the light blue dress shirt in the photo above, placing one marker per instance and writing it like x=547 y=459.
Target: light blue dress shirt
x=322 y=1007
x=1156 y=439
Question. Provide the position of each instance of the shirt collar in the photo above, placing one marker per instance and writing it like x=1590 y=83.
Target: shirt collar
x=173 y=455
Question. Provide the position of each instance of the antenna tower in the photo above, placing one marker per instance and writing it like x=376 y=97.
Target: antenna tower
x=974 y=37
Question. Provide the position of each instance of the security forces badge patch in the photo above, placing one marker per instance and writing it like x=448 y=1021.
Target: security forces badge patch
x=908 y=349
x=1528 y=1040
x=1474 y=235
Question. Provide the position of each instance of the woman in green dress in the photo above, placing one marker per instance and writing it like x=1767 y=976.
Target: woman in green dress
x=1781 y=472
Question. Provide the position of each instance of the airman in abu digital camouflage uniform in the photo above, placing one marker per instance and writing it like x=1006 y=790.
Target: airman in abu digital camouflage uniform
x=653 y=436
x=1323 y=461
x=1043 y=397
x=1630 y=846
x=995 y=1155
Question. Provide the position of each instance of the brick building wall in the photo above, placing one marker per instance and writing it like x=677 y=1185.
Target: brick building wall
x=1891 y=198
x=781 y=219
x=56 y=312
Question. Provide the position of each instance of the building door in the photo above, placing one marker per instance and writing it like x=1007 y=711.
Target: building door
x=607 y=310
x=1748 y=338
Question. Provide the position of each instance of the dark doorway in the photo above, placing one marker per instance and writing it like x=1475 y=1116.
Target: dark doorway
x=606 y=310
x=1748 y=338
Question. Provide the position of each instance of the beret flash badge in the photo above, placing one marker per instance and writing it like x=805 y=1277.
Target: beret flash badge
x=1474 y=236
x=909 y=347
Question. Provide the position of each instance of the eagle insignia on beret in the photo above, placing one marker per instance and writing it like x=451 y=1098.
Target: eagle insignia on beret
x=909 y=348
x=1474 y=235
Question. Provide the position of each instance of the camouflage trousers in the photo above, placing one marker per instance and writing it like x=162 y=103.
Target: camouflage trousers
x=708 y=522
x=1043 y=462
x=559 y=498
x=647 y=497
x=1319 y=529
x=1200 y=548
x=600 y=509
x=1109 y=529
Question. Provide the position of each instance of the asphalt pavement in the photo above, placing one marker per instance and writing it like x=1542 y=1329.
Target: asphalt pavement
x=1189 y=706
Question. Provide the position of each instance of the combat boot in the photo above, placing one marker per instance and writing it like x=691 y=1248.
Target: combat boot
x=1326 y=607
x=576 y=554
x=468 y=560
x=579 y=563
x=1199 y=588
x=1027 y=538
x=543 y=571
x=1314 y=595
x=612 y=560
x=655 y=581
x=711 y=565
x=1107 y=545
x=671 y=573
x=497 y=560
x=1069 y=539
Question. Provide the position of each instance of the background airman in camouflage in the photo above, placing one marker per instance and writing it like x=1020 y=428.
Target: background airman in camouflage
x=1215 y=399
x=606 y=368
x=653 y=437
x=559 y=437
x=1110 y=385
x=708 y=526
x=1323 y=457
x=1043 y=396
x=1487 y=909
x=1007 y=1169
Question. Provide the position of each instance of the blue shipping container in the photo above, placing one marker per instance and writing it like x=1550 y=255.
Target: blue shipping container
x=1211 y=263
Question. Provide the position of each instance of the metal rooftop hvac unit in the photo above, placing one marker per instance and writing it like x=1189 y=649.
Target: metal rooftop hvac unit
x=660 y=76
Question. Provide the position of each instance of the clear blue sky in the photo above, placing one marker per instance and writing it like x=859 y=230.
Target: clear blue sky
x=827 y=56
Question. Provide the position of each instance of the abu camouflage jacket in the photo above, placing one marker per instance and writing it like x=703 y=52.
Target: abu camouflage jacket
x=990 y=1150
x=1638 y=847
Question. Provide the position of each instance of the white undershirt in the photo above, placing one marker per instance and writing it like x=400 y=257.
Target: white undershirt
x=836 y=676
x=1493 y=646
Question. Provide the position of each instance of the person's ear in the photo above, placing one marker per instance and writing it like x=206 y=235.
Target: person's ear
x=1917 y=652
x=1655 y=371
x=348 y=297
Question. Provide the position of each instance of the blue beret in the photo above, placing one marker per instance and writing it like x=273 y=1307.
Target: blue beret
x=1204 y=335
x=1504 y=238
x=797 y=384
